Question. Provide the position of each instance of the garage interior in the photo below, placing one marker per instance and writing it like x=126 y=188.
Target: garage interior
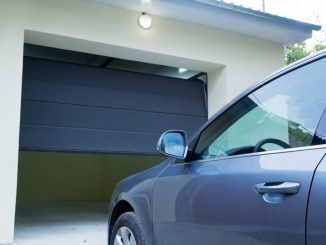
x=88 y=121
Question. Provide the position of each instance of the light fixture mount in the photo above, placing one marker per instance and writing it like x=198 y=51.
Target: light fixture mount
x=146 y=2
x=145 y=21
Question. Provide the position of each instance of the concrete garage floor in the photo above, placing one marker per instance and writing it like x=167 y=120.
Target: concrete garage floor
x=61 y=223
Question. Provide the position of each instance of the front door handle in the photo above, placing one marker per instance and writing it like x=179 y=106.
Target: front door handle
x=288 y=188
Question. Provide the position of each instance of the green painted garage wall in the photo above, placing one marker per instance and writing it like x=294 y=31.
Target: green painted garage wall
x=50 y=176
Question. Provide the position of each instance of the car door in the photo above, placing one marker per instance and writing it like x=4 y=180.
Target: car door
x=248 y=177
x=316 y=215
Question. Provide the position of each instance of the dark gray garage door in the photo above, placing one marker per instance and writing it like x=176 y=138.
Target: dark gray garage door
x=69 y=107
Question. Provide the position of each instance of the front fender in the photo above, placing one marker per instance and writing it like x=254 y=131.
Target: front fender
x=137 y=191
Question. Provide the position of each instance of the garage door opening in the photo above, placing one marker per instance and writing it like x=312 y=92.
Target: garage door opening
x=63 y=197
x=88 y=121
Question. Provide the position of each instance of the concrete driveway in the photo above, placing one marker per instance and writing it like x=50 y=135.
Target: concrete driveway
x=73 y=223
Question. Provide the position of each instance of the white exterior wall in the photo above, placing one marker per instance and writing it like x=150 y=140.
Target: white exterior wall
x=233 y=61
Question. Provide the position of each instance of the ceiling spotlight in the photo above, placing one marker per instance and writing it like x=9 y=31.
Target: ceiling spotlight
x=145 y=21
x=182 y=70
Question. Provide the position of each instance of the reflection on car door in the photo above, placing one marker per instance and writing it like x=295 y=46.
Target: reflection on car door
x=215 y=201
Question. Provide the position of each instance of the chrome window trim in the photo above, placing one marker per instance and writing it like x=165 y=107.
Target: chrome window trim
x=294 y=149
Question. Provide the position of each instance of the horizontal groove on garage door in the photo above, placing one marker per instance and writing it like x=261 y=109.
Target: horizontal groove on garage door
x=69 y=107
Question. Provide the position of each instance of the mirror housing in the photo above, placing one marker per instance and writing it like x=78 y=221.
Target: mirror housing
x=173 y=143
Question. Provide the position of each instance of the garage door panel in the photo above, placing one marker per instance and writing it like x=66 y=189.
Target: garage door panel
x=93 y=96
x=67 y=115
x=69 y=107
x=80 y=75
x=45 y=138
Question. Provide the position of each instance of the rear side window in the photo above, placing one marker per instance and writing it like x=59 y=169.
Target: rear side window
x=282 y=114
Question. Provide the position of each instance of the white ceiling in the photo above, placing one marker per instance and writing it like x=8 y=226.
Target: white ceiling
x=224 y=16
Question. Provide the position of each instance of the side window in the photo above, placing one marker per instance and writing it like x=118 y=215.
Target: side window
x=282 y=114
x=320 y=135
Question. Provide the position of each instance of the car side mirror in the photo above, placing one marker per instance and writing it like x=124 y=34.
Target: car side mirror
x=173 y=143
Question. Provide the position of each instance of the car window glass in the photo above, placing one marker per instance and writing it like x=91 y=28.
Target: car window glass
x=282 y=114
x=320 y=135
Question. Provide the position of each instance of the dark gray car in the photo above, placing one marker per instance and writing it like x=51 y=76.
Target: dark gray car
x=253 y=174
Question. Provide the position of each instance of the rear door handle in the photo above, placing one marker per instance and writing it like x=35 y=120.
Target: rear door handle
x=288 y=188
